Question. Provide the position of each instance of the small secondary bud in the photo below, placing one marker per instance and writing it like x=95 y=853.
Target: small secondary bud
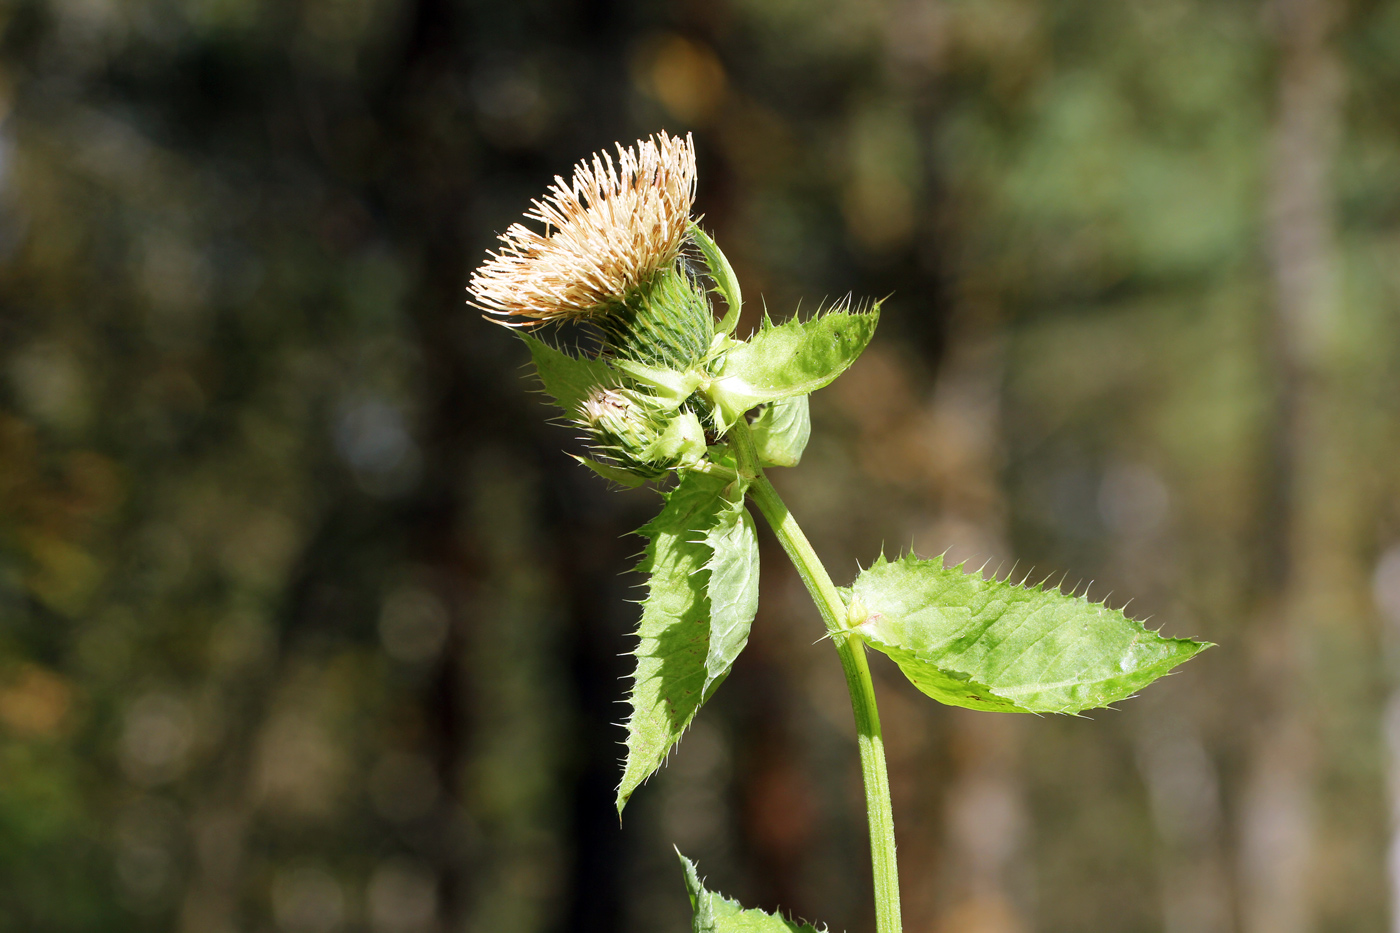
x=614 y=415
x=640 y=438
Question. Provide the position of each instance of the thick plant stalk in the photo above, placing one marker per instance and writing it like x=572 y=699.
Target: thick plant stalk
x=851 y=650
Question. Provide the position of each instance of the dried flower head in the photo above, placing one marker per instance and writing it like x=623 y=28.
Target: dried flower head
x=605 y=235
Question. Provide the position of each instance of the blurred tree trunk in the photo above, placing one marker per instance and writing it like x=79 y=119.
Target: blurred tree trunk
x=1184 y=791
x=986 y=825
x=984 y=802
x=1278 y=831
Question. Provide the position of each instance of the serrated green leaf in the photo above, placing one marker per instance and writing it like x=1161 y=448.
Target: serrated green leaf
x=732 y=587
x=794 y=358
x=985 y=644
x=722 y=273
x=781 y=430
x=568 y=379
x=669 y=680
x=714 y=913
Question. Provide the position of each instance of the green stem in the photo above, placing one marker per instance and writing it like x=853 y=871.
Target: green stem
x=852 y=653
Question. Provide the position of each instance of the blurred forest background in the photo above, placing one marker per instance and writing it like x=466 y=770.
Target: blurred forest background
x=308 y=625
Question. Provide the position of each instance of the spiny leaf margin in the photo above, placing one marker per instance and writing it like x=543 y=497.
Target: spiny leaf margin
x=712 y=912
x=612 y=474
x=669 y=678
x=793 y=358
x=993 y=645
x=569 y=380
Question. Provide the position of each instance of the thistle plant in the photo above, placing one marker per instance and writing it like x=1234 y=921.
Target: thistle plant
x=672 y=396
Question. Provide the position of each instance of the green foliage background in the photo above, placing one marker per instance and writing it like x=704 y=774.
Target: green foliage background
x=307 y=624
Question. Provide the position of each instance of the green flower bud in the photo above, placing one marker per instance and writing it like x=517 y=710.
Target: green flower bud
x=641 y=437
x=667 y=323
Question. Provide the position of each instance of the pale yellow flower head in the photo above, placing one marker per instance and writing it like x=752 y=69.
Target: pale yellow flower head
x=606 y=234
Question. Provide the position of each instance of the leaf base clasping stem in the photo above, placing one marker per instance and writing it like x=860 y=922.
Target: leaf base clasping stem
x=851 y=650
